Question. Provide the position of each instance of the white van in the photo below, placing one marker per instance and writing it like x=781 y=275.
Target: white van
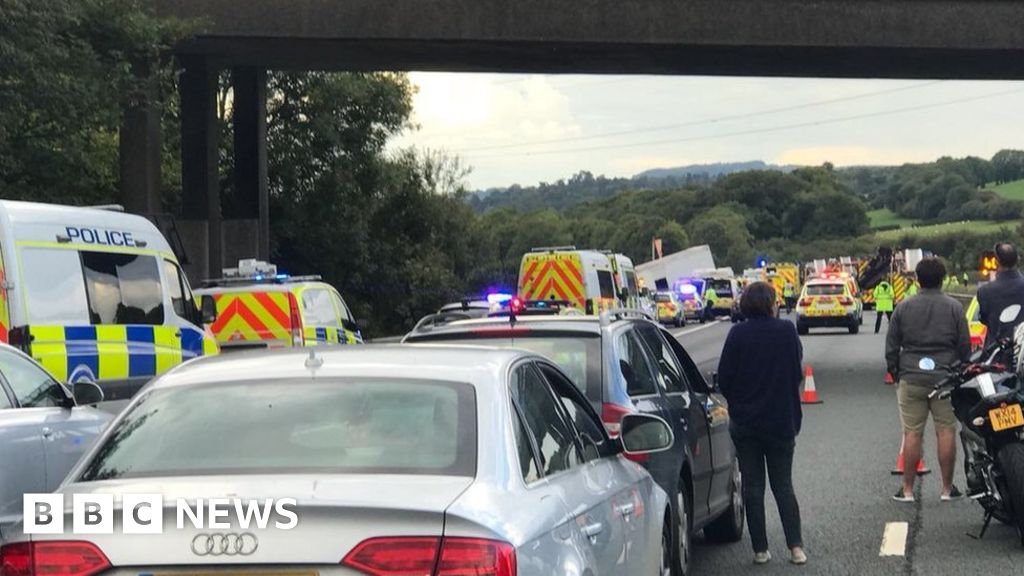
x=95 y=294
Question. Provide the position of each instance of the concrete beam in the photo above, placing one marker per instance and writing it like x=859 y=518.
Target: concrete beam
x=865 y=38
x=139 y=153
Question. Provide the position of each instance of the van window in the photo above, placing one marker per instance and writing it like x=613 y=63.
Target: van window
x=123 y=288
x=631 y=282
x=604 y=281
x=317 y=308
x=346 y=316
x=181 y=295
x=54 y=290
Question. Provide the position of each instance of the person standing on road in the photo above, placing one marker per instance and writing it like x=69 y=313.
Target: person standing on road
x=911 y=288
x=927 y=334
x=789 y=295
x=1007 y=289
x=885 y=298
x=759 y=373
x=710 y=299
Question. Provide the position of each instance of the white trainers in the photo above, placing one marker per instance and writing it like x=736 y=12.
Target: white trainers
x=762 y=557
x=798 y=556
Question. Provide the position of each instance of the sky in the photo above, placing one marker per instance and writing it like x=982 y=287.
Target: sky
x=530 y=128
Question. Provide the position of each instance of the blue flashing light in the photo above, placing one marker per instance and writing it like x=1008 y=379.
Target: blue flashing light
x=259 y=277
x=282 y=276
x=541 y=304
x=498 y=298
x=688 y=289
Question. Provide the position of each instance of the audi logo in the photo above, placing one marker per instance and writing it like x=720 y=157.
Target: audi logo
x=225 y=544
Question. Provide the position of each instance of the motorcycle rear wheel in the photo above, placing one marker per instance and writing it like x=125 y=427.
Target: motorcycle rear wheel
x=1011 y=459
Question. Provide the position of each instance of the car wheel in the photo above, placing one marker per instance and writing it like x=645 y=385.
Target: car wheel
x=729 y=526
x=854 y=327
x=683 y=549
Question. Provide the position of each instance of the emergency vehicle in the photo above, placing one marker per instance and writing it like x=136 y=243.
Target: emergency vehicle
x=589 y=280
x=691 y=294
x=779 y=274
x=830 y=301
x=96 y=295
x=727 y=289
x=259 y=308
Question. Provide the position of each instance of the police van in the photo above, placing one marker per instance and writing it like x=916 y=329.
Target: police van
x=590 y=281
x=259 y=308
x=96 y=295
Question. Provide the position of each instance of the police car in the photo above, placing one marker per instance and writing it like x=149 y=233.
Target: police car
x=259 y=308
x=95 y=295
x=829 y=302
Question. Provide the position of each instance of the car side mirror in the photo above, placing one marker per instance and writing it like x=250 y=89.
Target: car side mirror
x=644 y=434
x=713 y=379
x=208 y=307
x=86 y=393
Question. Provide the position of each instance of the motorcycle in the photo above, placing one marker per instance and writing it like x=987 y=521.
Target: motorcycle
x=987 y=397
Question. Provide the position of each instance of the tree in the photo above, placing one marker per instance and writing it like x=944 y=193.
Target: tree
x=725 y=230
x=1008 y=165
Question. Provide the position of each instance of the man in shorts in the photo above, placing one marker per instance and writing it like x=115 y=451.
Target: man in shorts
x=927 y=333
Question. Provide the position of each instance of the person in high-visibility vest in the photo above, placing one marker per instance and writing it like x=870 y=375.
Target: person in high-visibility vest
x=911 y=288
x=710 y=298
x=789 y=295
x=885 y=298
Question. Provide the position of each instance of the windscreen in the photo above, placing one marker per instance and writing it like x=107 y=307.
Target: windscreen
x=361 y=426
x=578 y=355
x=722 y=287
x=662 y=298
x=825 y=290
x=690 y=289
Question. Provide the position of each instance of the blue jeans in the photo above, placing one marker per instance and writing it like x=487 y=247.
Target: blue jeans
x=755 y=453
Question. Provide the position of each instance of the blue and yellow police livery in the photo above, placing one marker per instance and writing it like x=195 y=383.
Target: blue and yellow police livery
x=95 y=295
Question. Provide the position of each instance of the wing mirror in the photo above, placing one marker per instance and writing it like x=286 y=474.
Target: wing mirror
x=208 y=307
x=713 y=379
x=86 y=393
x=644 y=434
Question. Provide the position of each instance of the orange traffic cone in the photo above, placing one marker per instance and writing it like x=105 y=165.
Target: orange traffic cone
x=888 y=379
x=900 y=466
x=810 y=395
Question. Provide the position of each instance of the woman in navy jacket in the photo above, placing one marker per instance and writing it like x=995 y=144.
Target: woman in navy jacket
x=759 y=374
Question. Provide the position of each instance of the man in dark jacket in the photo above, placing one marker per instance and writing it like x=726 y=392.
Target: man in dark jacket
x=927 y=334
x=1007 y=289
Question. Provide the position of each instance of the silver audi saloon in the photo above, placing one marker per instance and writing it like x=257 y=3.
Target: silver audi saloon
x=378 y=460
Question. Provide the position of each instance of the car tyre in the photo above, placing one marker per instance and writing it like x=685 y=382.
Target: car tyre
x=665 y=566
x=854 y=327
x=1011 y=459
x=729 y=526
x=682 y=551
x=801 y=328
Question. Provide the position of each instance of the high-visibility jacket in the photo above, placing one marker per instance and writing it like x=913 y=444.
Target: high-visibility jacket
x=911 y=290
x=710 y=297
x=884 y=297
x=787 y=290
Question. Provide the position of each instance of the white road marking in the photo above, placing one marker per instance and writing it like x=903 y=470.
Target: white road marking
x=894 y=539
x=685 y=331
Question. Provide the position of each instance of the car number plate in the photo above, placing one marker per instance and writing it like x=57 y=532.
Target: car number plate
x=235 y=572
x=1008 y=417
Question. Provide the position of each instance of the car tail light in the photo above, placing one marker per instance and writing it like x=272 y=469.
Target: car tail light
x=295 y=317
x=516 y=305
x=414 y=556
x=804 y=302
x=844 y=301
x=58 y=558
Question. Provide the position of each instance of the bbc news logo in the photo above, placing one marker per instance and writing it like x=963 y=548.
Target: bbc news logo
x=144 y=513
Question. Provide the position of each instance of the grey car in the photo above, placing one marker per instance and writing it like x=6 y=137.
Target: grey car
x=474 y=460
x=42 y=431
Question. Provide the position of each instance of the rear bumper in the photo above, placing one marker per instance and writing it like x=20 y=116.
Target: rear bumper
x=826 y=321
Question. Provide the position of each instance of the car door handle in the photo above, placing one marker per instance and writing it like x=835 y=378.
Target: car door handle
x=627 y=509
x=47 y=433
x=592 y=530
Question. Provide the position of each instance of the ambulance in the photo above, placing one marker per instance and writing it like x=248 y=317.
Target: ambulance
x=589 y=280
x=96 y=295
x=259 y=308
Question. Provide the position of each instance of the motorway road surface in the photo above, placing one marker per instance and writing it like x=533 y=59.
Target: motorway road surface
x=844 y=455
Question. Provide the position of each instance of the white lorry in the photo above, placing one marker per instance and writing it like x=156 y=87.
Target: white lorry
x=661 y=274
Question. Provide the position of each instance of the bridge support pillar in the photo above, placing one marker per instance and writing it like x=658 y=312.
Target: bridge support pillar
x=250 y=199
x=200 y=182
x=139 y=152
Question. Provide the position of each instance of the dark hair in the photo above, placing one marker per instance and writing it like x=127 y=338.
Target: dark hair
x=1006 y=254
x=930 y=272
x=758 y=300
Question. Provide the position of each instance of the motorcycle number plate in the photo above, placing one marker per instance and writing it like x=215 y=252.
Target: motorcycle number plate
x=1006 y=418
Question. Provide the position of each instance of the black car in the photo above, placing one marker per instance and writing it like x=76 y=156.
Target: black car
x=625 y=362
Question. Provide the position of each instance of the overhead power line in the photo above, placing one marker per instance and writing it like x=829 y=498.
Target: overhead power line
x=702 y=122
x=752 y=131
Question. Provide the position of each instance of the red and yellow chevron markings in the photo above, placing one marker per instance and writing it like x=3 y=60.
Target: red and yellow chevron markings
x=251 y=316
x=553 y=277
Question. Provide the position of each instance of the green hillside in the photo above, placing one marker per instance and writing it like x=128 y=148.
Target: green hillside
x=884 y=217
x=977 y=226
x=1010 y=190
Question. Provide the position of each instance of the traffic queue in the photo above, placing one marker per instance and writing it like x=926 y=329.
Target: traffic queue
x=472 y=447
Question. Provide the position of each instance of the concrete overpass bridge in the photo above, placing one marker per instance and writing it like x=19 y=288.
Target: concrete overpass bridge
x=969 y=39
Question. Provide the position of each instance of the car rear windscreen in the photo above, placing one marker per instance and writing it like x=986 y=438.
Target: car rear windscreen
x=662 y=298
x=358 y=426
x=825 y=290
